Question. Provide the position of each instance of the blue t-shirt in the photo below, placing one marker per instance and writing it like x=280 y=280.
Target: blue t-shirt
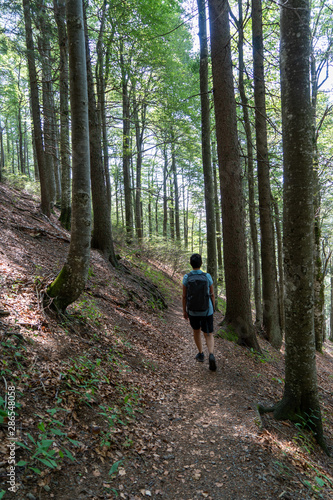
x=210 y=310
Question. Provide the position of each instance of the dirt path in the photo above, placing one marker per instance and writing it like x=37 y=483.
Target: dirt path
x=199 y=436
x=208 y=444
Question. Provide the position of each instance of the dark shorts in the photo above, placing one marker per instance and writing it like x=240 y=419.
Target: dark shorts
x=204 y=323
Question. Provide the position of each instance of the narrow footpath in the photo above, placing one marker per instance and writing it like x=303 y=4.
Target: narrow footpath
x=207 y=435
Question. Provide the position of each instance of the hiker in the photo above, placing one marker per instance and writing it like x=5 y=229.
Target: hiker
x=199 y=306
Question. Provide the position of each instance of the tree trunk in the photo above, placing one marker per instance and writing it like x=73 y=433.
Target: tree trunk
x=139 y=131
x=65 y=212
x=206 y=146
x=102 y=74
x=126 y=152
x=238 y=313
x=165 y=194
x=217 y=220
x=102 y=238
x=171 y=211
x=331 y=309
x=249 y=146
x=300 y=402
x=280 y=266
x=45 y=52
x=271 y=318
x=35 y=108
x=176 y=189
x=70 y=282
x=2 y=154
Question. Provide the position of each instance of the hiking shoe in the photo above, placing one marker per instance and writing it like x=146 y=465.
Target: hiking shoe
x=200 y=357
x=212 y=364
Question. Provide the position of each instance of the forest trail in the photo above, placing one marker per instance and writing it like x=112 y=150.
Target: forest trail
x=122 y=378
x=208 y=442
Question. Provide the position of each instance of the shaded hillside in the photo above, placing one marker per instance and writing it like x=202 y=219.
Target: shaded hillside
x=110 y=402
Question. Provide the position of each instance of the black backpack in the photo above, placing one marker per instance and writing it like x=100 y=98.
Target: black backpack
x=197 y=292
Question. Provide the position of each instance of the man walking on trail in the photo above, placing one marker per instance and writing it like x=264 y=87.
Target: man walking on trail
x=198 y=307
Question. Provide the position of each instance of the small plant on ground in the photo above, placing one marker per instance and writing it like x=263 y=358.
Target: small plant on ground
x=228 y=333
x=49 y=447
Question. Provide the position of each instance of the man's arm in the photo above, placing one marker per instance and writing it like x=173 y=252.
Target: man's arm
x=212 y=295
x=184 y=302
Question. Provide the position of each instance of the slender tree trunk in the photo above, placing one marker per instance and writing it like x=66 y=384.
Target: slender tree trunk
x=102 y=238
x=45 y=51
x=65 y=211
x=319 y=286
x=238 y=313
x=171 y=212
x=102 y=73
x=165 y=194
x=139 y=131
x=217 y=220
x=206 y=146
x=20 y=141
x=2 y=153
x=71 y=280
x=269 y=286
x=331 y=308
x=126 y=152
x=252 y=204
x=300 y=402
x=280 y=266
x=35 y=108
x=175 y=186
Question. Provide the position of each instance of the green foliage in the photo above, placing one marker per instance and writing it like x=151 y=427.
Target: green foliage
x=304 y=438
x=115 y=468
x=86 y=309
x=83 y=377
x=262 y=357
x=50 y=447
x=227 y=332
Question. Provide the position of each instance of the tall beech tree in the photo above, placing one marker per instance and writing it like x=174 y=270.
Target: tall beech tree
x=70 y=282
x=102 y=238
x=36 y=115
x=271 y=317
x=206 y=145
x=238 y=313
x=60 y=14
x=300 y=402
x=250 y=170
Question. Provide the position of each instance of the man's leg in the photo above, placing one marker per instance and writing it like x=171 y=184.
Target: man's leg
x=197 y=339
x=210 y=346
x=210 y=342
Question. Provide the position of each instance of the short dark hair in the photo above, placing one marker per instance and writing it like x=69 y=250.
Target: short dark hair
x=196 y=260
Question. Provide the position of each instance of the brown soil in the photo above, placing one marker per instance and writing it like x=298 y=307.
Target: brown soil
x=171 y=428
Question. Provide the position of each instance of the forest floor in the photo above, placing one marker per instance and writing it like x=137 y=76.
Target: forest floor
x=110 y=402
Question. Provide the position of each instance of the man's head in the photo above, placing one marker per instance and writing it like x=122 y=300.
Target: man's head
x=196 y=261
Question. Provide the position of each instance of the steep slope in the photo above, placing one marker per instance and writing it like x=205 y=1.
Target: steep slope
x=110 y=402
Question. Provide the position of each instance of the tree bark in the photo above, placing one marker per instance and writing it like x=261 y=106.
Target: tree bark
x=126 y=151
x=250 y=176
x=102 y=238
x=48 y=102
x=65 y=211
x=238 y=313
x=300 y=402
x=35 y=108
x=331 y=308
x=70 y=282
x=206 y=146
x=280 y=283
x=271 y=318
x=176 y=188
x=139 y=132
